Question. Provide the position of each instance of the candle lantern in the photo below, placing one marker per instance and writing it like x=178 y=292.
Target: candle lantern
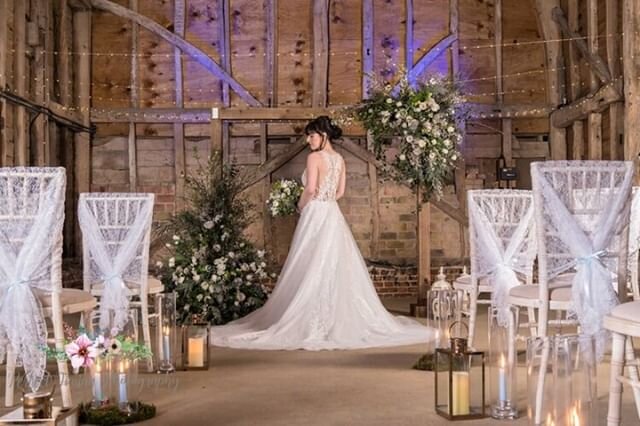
x=166 y=333
x=502 y=362
x=443 y=308
x=561 y=380
x=459 y=380
x=195 y=345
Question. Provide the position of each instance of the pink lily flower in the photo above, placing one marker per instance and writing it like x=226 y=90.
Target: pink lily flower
x=81 y=352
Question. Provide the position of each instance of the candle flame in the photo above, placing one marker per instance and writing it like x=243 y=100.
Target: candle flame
x=574 y=417
x=549 y=421
x=503 y=361
x=121 y=366
x=165 y=330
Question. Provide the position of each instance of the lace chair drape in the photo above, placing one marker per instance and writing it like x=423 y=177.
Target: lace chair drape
x=634 y=243
x=502 y=243
x=582 y=209
x=31 y=221
x=115 y=232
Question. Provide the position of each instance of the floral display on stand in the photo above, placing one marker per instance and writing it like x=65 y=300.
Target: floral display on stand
x=424 y=116
x=216 y=272
x=284 y=196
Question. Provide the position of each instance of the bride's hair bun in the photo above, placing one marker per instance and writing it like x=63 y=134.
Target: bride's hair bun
x=323 y=124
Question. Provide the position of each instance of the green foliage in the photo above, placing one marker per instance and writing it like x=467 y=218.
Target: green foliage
x=425 y=119
x=215 y=270
x=112 y=415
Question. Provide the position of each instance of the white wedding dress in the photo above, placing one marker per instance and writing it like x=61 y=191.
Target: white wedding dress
x=324 y=298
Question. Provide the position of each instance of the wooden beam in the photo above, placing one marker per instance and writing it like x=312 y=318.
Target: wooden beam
x=320 y=72
x=554 y=61
x=271 y=52
x=224 y=45
x=82 y=89
x=21 y=137
x=581 y=108
x=616 y=110
x=65 y=112
x=595 y=136
x=367 y=46
x=80 y=5
x=134 y=101
x=631 y=72
x=198 y=55
x=275 y=163
x=598 y=67
x=423 y=235
x=427 y=59
x=481 y=111
x=594 y=120
x=454 y=22
x=178 y=128
x=151 y=115
x=497 y=23
x=408 y=40
x=6 y=64
x=577 y=127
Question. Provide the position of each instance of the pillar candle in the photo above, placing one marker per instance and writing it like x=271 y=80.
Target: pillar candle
x=196 y=351
x=122 y=384
x=460 y=391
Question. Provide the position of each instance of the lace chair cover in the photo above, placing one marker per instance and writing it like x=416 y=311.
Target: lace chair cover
x=582 y=209
x=115 y=233
x=31 y=221
x=502 y=241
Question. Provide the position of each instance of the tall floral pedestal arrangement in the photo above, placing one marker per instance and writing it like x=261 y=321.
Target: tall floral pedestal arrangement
x=215 y=271
x=423 y=117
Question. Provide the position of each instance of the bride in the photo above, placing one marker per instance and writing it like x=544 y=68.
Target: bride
x=324 y=298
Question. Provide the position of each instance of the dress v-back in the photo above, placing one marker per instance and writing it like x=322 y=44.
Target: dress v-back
x=324 y=297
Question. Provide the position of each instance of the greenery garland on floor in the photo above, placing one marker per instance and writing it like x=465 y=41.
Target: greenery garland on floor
x=112 y=415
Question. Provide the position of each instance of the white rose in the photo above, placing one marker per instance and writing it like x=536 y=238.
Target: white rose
x=208 y=224
x=159 y=264
x=402 y=157
x=450 y=129
x=389 y=100
x=398 y=104
x=422 y=143
x=199 y=297
x=454 y=157
x=196 y=278
x=176 y=238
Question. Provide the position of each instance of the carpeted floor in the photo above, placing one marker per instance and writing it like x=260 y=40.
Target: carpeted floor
x=363 y=387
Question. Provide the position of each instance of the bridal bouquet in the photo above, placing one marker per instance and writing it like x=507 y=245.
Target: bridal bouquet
x=284 y=196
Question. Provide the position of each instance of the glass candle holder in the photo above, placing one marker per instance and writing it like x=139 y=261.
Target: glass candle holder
x=503 y=363
x=561 y=380
x=443 y=309
x=100 y=373
x=167 y=333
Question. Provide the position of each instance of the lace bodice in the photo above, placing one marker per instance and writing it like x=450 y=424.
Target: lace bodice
x=329 y=186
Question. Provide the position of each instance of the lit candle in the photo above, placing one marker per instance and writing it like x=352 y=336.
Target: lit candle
x=97 y=384
x=460 y=391
x=502 y=380
x=574 y=416
x=122 y=382
x=549 y=421
x=196 y=351
x=165 y=343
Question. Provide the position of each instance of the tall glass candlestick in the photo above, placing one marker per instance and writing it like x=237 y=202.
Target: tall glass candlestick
x=122 y=384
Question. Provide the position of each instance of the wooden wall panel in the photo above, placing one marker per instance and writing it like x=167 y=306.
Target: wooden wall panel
x=201 y=89
x=431 y=24
x=345 y=56
x=156 y=72
x=295 y=45
x=248 y=31
x=110 y=74
x=388 y=37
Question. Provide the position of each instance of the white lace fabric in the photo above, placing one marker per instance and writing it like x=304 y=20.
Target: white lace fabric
x=328 y=188
x=31 y=221
x=634 y=240
x=584 y=208
x=502 y=241
x=115 y=231
x=324 y=298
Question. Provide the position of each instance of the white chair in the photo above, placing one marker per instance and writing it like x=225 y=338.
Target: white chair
x=116 y=231
x=581 y=215
x=31 y=221
x=502 y=247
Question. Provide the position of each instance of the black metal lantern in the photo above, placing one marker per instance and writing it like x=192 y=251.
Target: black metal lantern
x=458 y=371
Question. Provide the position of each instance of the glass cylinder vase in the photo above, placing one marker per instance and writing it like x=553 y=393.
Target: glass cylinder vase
x=166 y=351
x=561 y=380
x=100 y=373
x=443 y=309
x=503 y=362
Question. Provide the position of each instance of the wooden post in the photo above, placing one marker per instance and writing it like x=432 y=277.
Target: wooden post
x=423 y=216
x=320 y=73
x=271 y=85
x=616 y=112
x=631 y=68
x=178 y=128
x=555 y=71
x=374 y=202
x=131 y=141
x=21 y=76
x=367 y=45
x=82 y=89
x=6 y=65
x=594 y=119
x=40 y=89
x=409 y=35
x=577 y=128
x=225 y=57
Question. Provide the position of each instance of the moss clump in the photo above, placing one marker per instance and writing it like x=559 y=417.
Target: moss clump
x=112 y=415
